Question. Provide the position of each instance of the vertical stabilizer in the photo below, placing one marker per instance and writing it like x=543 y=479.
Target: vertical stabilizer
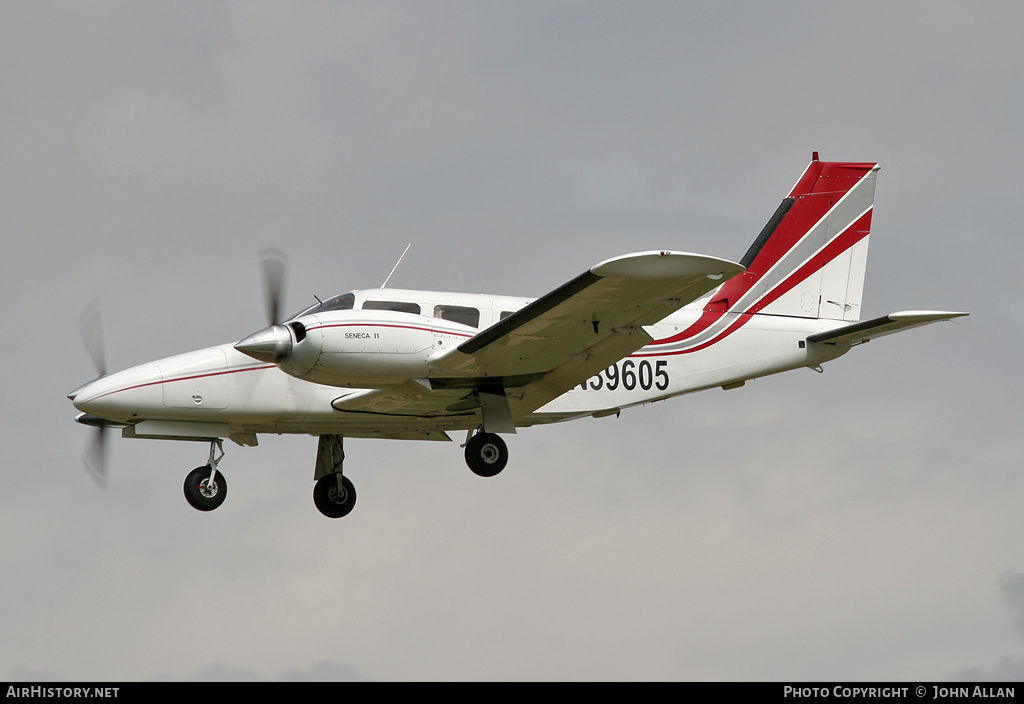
x=809 y=260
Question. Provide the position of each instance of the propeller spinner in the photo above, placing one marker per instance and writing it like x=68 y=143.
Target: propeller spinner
x=272 y=344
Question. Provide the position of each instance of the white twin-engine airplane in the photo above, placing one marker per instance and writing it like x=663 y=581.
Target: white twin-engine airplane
x=415 y=365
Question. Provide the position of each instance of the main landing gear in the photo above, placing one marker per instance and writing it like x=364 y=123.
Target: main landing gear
x=486 y=454
x=334 y=494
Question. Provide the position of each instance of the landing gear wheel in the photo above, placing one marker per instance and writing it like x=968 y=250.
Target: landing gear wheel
x=203 y=495
x=330 y=501
x=486 y=454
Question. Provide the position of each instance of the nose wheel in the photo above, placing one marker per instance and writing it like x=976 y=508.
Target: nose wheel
x=205 y=487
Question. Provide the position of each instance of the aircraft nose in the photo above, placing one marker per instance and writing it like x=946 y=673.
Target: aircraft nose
x=91 y=390
x=119 y=396
x=272 y=344
x=80 y=390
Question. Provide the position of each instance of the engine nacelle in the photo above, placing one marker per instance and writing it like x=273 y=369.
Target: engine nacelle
x=350 y=348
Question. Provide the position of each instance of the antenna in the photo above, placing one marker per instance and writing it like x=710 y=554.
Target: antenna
x=385 y=284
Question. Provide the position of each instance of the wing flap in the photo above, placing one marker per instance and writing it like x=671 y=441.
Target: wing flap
x=415 y=397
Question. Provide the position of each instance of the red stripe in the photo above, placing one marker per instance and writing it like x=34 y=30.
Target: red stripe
x=741 y=320
x=857 y=231
x=183 y=378
x=817 y=191
x=816 y=194
x=842 y=242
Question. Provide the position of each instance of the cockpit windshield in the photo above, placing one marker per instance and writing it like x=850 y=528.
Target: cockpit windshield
x=343 y=302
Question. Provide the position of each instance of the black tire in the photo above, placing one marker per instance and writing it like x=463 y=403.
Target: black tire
x=486 y=454
x=327 y=499
x=200 y=494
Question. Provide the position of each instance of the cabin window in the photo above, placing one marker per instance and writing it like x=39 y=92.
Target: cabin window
x=505 y=314
x=397 y=306
x=458 y=314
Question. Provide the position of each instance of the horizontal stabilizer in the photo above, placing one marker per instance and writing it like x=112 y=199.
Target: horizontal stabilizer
x=886 y=325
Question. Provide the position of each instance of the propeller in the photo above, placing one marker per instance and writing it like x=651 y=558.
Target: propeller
x=90 y=328
x=275 y=269
x=273 y=343
x=95 y=457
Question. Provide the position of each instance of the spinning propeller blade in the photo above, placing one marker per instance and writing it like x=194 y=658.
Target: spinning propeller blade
x=275 y=269
x=95 y=457
x=272 y=343
x=90 y=327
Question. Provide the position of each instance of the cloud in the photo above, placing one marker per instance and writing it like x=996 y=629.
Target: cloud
x=1011 y=584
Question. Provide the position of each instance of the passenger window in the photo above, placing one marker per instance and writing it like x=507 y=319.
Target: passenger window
x=505 y=314
x=458 y=314
x=397 y=306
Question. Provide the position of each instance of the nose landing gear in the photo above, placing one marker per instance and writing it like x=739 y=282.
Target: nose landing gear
x=205 y=487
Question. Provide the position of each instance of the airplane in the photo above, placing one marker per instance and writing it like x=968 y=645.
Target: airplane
x=418 y=365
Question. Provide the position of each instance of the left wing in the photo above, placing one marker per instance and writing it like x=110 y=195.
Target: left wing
x=551 y=345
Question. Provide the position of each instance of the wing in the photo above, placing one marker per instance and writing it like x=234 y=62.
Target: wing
x=886 y=325
x=556 y=342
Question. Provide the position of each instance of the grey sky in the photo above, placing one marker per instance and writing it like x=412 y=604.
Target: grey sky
x=860 y=524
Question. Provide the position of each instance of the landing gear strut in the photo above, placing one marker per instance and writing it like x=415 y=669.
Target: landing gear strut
x=486 y=454
x=205 y=487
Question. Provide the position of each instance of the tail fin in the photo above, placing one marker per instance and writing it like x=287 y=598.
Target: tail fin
x=809 y=260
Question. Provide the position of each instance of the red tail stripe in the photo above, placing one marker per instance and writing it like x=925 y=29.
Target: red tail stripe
x=844 y=241
x=849 y=237
x=820 y=187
